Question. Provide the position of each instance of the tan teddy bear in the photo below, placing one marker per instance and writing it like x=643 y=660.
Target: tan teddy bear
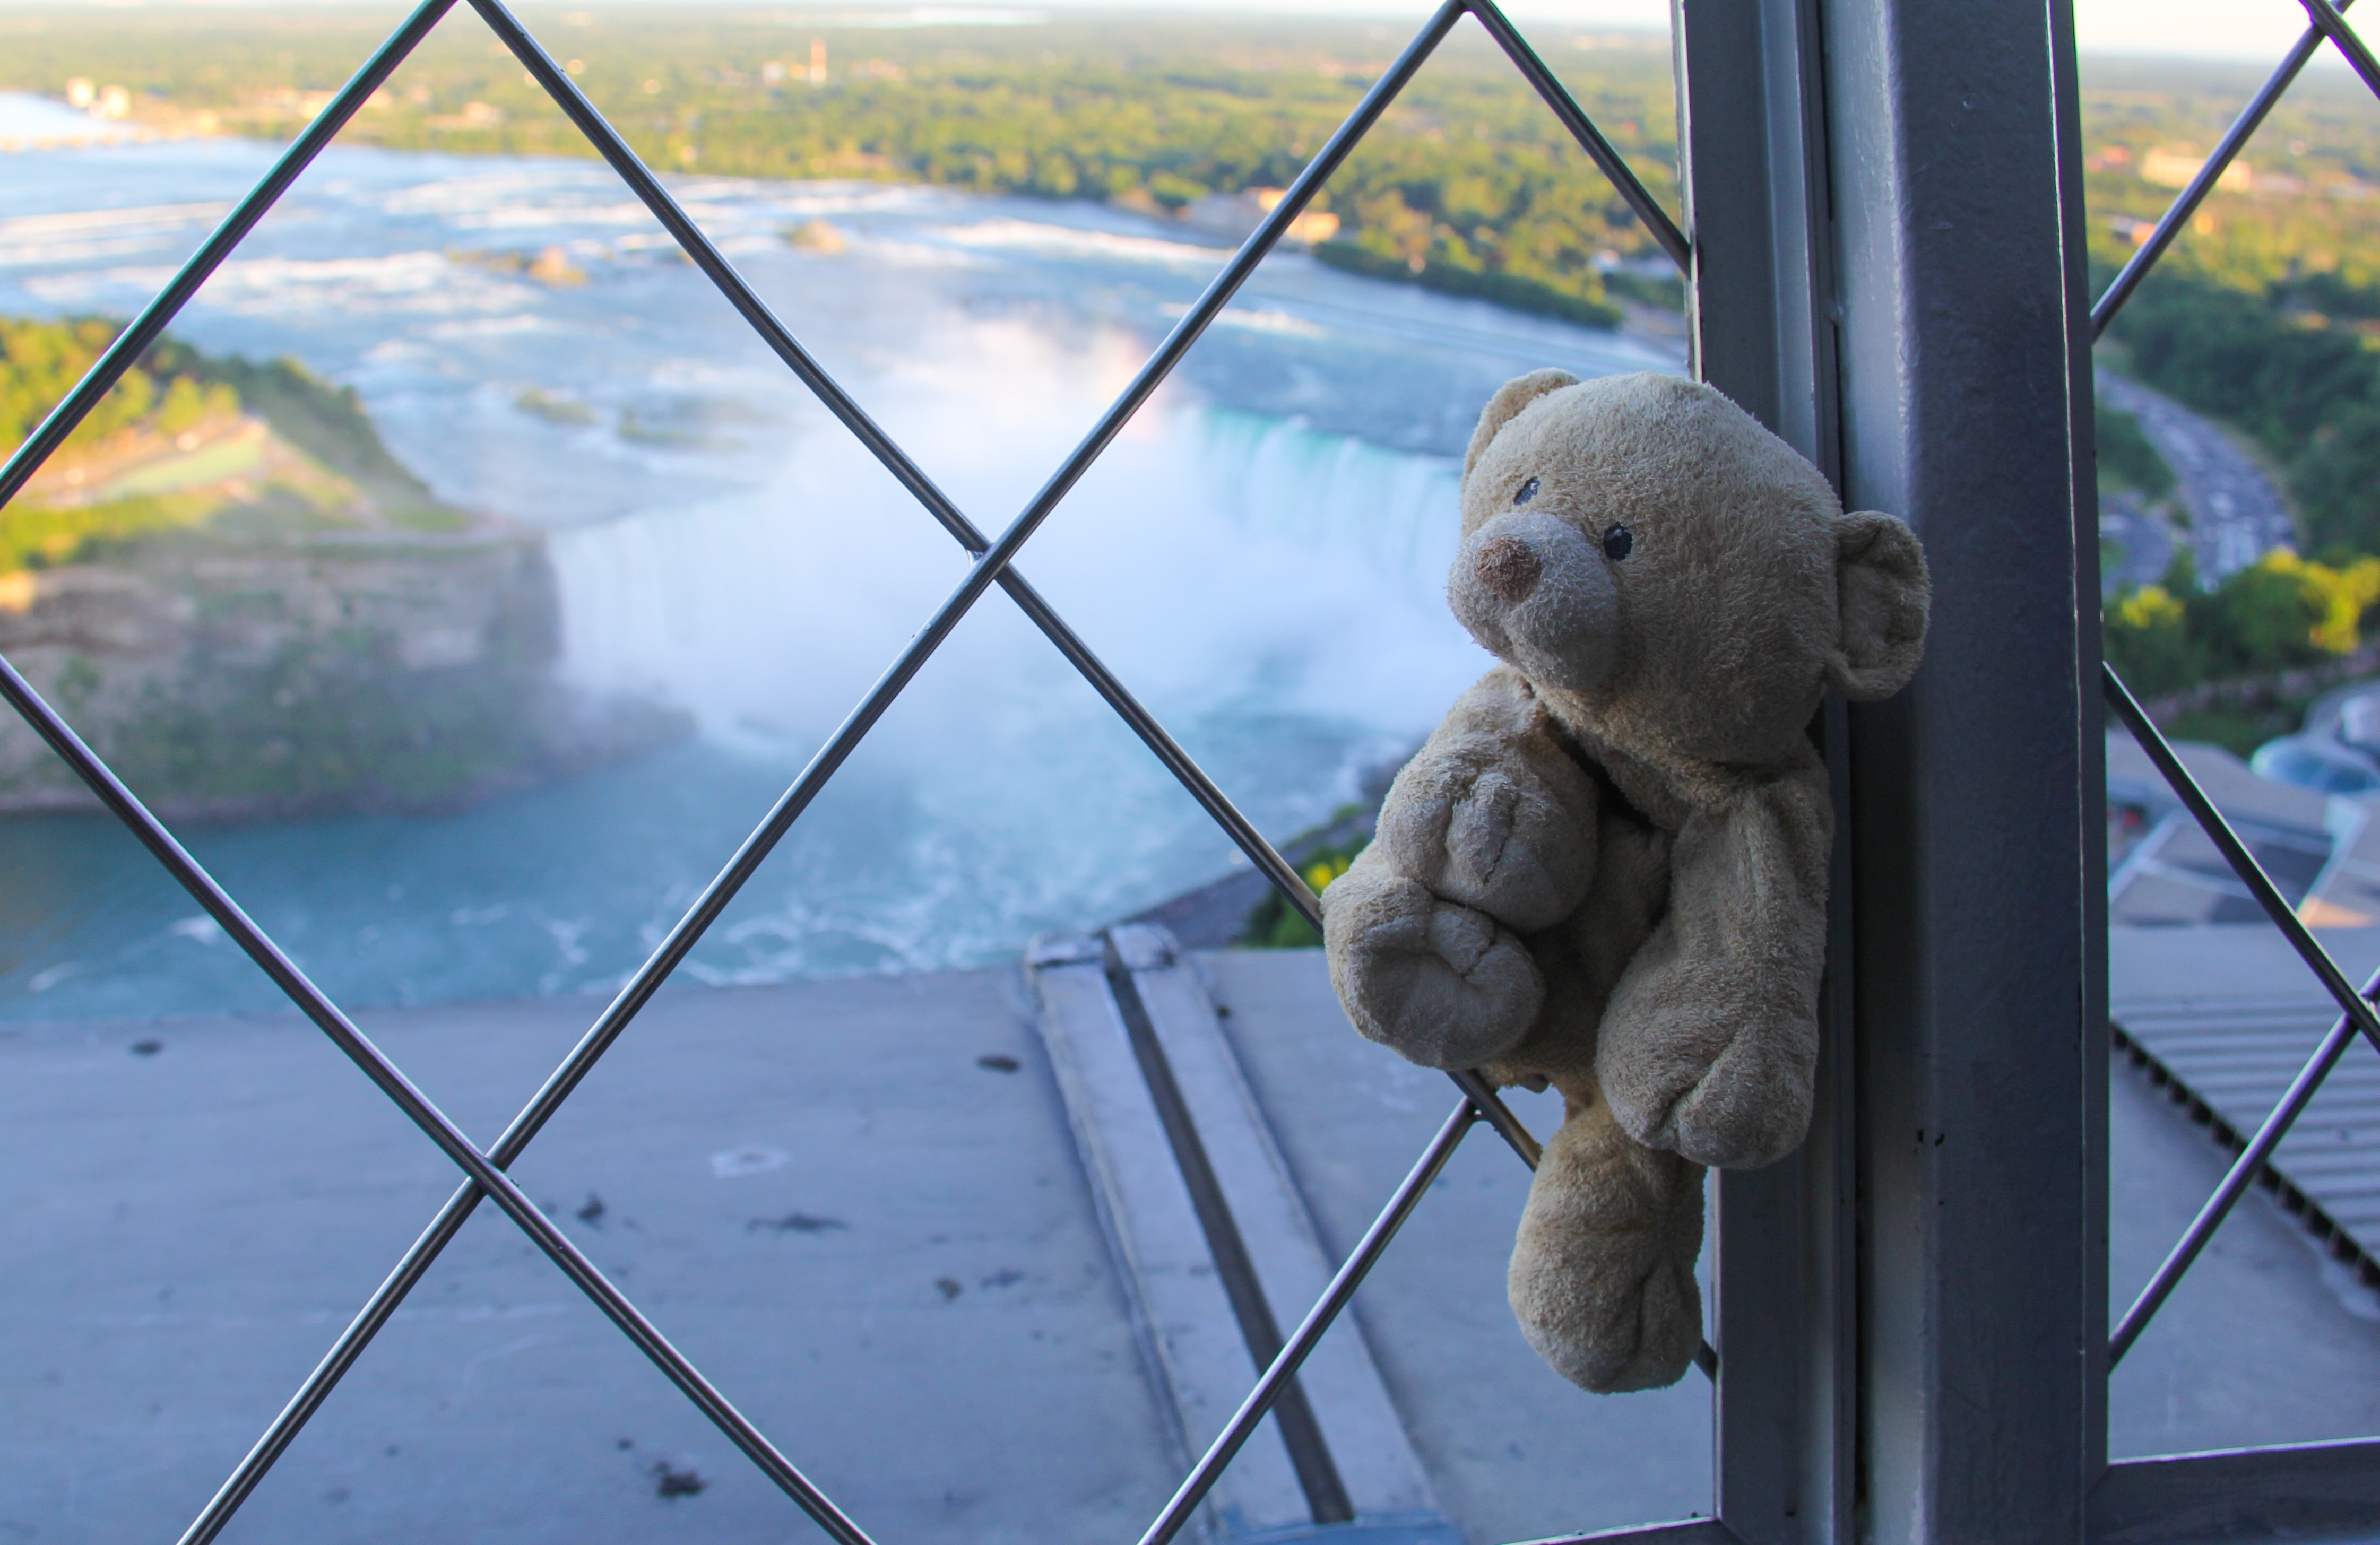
x=1606 y=869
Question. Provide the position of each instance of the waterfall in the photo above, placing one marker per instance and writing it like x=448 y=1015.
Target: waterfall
x=1218 y=560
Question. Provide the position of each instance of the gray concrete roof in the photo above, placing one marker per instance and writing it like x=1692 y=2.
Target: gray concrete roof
x=880 y=1250
x=884 y=1250
x=2269 y=1339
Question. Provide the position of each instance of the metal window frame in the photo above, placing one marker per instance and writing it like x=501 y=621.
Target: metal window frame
x=1752 y=147
x=1890 y=270
x=1883 y=241
x=2294 y=1489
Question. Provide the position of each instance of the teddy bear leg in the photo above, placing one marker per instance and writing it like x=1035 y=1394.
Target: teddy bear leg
x=1440 y=983
x=1603 y=1274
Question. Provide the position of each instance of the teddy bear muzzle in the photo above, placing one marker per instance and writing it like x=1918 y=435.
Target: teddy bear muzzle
x=1535 y=591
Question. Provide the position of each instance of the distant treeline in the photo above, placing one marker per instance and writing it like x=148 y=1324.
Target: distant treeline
x=1469 y=185
x=2303 y=198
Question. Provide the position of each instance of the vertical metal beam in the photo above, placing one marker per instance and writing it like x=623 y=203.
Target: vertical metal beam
x=1973 y=814
x=2095 y=1357
x=1752 y=138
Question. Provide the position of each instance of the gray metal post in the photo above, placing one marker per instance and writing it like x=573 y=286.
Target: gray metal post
x=1977 y=1033
x=1752 y=138
x=2092 y=761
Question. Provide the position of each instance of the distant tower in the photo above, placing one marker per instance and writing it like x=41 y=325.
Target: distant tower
x=817 y=61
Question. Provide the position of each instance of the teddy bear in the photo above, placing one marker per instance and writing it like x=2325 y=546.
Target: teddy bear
x=1605 y=870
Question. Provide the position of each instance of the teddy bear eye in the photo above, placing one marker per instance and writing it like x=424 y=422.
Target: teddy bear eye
x=1528 y=491
x=1617 y=543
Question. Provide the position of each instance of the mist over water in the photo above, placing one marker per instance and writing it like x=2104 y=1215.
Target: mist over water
x=1260 y=556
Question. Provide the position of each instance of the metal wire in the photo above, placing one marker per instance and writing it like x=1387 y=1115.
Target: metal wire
x=134 y=340
x=2328 y=22
x=1566 y=107
x=1267 y=859
x=485 y=1171
x=991 y=564
x=2235 y=852
x=871 y=436
x=416 y=1106
x=2243 y=1171
x=2356 y=1015
x=293 y=1416
x=2343 y=37
x=2177 y=215
x=1350 y=1276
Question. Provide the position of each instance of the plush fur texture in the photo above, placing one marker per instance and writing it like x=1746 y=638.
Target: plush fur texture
x=1606 y=869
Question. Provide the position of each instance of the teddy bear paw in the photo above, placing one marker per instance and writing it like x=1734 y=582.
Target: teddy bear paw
x=1495 y=836
x=1441 y=983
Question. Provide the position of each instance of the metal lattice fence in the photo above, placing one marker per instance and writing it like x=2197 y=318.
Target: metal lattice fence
x=485 y=1169
x=2356 y=1013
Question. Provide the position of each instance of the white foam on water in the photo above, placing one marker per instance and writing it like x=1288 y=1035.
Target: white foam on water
x=1220 y=558
x=1028 y=236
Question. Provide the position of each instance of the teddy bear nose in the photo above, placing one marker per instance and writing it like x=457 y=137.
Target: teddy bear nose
x=1509 y=567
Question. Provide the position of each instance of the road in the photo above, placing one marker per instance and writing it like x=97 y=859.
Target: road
x=2235 y=514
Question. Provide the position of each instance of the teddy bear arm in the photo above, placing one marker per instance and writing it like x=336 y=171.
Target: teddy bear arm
x=1439 y=983
x=1709 y=1044
x=1493 y=813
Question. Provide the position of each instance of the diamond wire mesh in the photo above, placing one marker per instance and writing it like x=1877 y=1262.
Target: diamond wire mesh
x=2356 y=1015
x=484 y=1170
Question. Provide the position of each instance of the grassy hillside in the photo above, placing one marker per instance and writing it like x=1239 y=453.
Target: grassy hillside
x=186 y=439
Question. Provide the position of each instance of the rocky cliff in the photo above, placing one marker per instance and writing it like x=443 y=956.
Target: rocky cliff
x=254 y=611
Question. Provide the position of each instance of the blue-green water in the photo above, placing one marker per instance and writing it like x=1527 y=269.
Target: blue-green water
x=1260 y=556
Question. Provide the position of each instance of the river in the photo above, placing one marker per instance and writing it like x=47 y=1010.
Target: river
x=1261 y=557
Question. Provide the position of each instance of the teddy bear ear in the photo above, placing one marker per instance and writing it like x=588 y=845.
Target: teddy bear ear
x=1882 y=593
x=1509 y=399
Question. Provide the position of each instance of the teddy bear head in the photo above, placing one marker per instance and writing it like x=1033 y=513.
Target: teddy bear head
x=1668 y=572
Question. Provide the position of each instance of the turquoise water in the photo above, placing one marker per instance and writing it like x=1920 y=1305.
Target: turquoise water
x=1261 y=557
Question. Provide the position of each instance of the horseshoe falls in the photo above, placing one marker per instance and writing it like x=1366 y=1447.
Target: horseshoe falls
x=1258 y=556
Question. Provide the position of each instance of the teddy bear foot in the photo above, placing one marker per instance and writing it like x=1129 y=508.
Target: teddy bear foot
x=1748 y=1107
x=1602 y=1278
x=1440 y=983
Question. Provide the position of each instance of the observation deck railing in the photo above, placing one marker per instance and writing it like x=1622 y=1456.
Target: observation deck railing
x=1782 y=48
